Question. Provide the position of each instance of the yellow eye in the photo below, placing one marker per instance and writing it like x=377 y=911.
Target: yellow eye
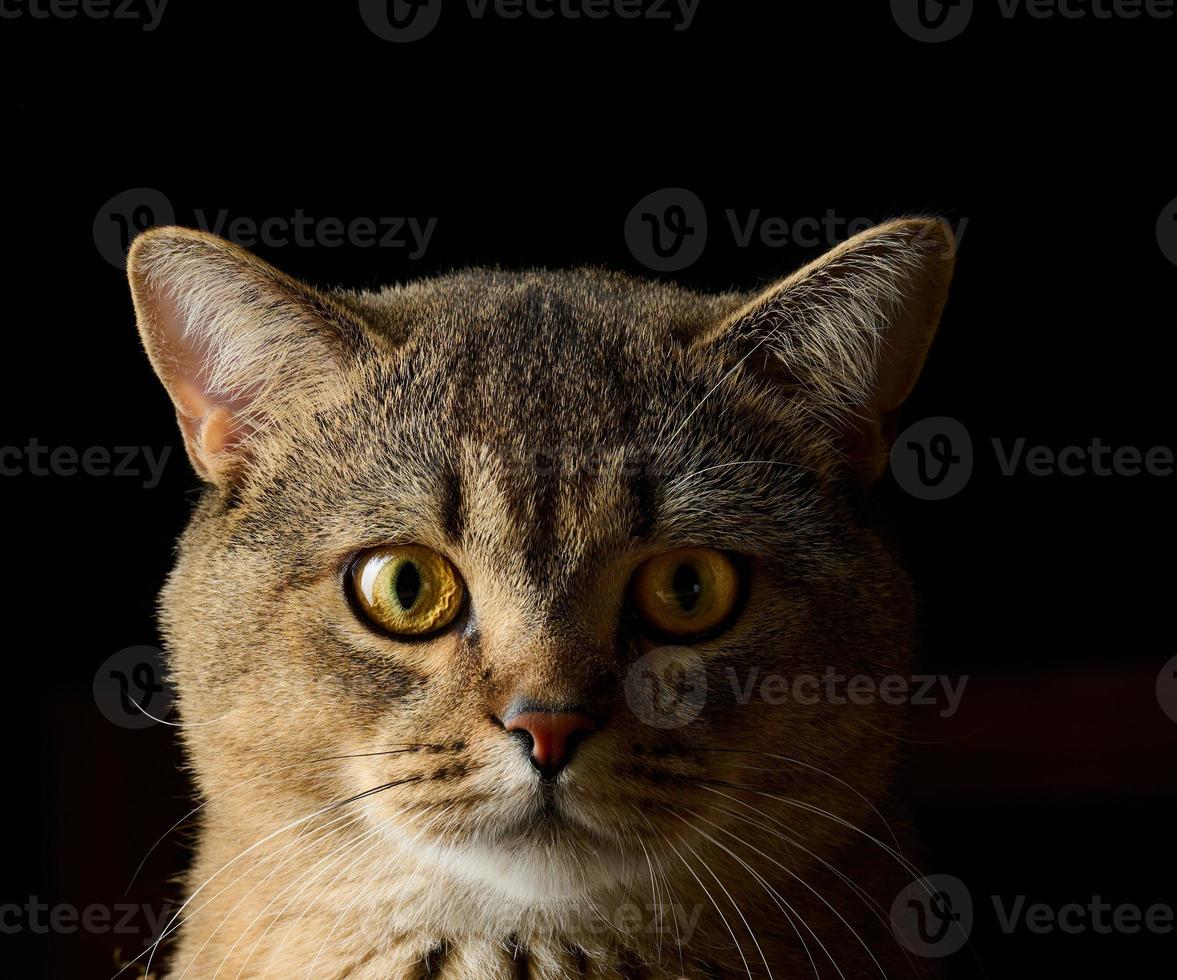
x=686 y=592
x=407 y=589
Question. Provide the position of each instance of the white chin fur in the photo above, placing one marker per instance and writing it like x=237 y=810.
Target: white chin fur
x=535 y=866
x=529 y=871
x=534 y=873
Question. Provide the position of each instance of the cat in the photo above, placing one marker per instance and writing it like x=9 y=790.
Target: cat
x=483 y=563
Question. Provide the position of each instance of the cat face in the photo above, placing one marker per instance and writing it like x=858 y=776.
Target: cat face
x=497 y=561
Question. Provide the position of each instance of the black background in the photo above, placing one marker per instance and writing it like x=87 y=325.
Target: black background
x=530 y=141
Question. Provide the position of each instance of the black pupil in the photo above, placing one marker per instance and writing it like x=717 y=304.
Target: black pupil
x=687 y=586
x=408 y=585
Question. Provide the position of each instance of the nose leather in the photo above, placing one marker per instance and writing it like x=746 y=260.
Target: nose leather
x=552 y=735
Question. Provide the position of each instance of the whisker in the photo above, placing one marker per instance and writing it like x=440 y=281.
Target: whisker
x=176 y=724
x=786 y=909
x=171 y=927
x=735 y=367
x=322 y=833
x=861 y=893
x=902 y=861
x=797 y=877
x=269 y=772
x=332 y=806
x=654 y=894
x=345 y=821
x=793 y=842
x=359 y=892
x=679 y=938
x=813 y=768
x=743 y=462
x=312 y=874
x=345 y=845
x=735 y=905
x=723 y=918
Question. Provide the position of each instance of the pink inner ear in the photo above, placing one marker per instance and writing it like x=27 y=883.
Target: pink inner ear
x=211 y=423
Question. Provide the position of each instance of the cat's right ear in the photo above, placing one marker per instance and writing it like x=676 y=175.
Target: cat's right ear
x=235 y=342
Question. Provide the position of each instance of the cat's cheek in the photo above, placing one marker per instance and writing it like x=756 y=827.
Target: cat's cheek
x=431 y=657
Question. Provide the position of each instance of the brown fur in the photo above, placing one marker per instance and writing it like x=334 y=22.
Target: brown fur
x=547 y=432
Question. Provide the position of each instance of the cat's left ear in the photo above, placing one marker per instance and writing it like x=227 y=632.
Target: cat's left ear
x=849 y=333
x=236 y=343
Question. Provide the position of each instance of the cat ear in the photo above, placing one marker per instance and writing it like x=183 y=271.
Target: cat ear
x=235 y=342
x=849 y=332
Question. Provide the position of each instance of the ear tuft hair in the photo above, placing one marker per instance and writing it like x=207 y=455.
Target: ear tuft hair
x=235 y=342
x=850 y=332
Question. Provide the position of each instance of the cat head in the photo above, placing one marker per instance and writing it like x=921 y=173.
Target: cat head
x=498 y=559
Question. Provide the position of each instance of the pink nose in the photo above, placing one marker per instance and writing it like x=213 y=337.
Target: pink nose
x=554 y=734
